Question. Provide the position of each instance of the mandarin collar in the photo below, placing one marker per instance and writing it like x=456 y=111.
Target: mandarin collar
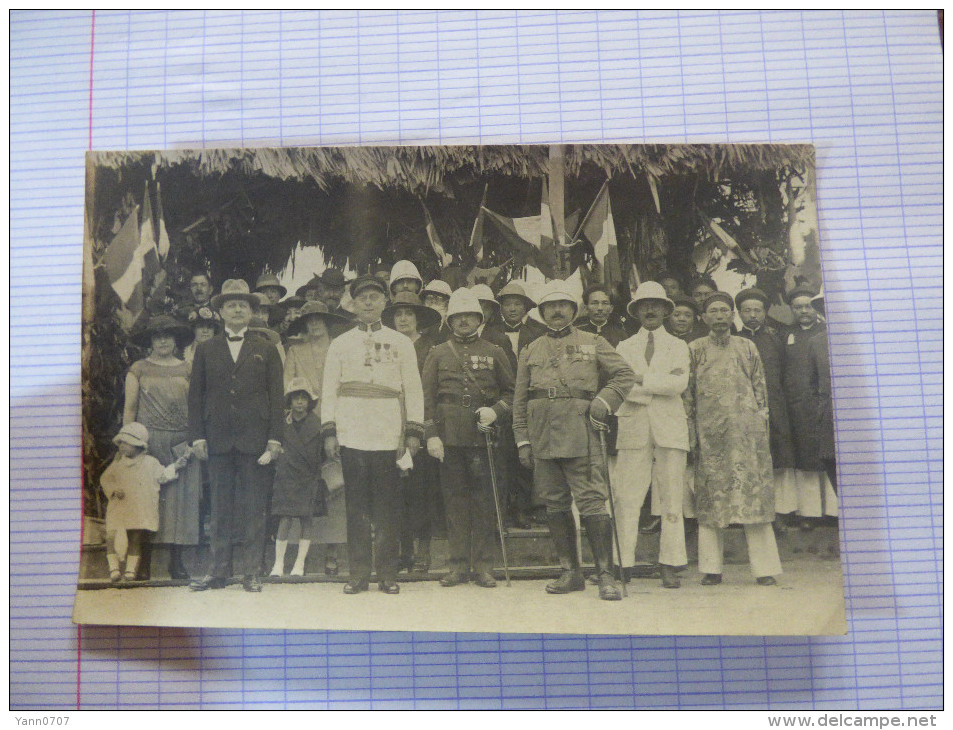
x=373 y=327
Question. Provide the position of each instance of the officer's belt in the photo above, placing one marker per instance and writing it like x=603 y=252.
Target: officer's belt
x=465 y=400
x=357 y=389
x=553 y=393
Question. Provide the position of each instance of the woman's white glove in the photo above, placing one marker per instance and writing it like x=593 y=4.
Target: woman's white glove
x=435 y=447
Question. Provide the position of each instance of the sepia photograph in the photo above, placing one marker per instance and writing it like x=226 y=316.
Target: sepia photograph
x=569 y=388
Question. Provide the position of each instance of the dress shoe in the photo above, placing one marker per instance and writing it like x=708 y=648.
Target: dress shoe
x=669 y=577
x=711 y=579
x=521 y=521
x=608 y=589
x=331 y=567
x=178 y=572
x=453 y=578
x=405 y=562
x=422 y=562
x=389 y=587
x=651 y=526
x=252 y=584
x=206 y=583
x=353 y=587
x=485 y=580
x=766 y=580
x=567 y=582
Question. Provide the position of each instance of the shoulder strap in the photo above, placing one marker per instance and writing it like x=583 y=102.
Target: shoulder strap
x=468 y=376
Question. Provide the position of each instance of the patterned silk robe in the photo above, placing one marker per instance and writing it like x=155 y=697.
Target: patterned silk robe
x=727 y=394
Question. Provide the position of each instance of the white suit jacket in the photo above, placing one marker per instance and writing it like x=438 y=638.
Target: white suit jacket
x=655 y=408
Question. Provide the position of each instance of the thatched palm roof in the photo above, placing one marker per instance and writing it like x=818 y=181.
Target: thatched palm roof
x=421 y=170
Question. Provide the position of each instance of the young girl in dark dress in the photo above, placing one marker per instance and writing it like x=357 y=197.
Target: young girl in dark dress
x=299 y=491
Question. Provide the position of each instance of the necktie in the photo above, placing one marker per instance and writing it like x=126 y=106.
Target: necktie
x=650 y=348
x=236 y=338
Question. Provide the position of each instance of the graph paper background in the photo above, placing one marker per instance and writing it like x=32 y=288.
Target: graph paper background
x=865 y=88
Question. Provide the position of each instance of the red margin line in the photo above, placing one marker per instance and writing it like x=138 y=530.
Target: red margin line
x=79 y=628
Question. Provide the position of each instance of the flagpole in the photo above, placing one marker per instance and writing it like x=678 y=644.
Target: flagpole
x=557 y=207
x=591 y=209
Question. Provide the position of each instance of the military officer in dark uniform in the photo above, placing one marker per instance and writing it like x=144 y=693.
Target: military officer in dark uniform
x=567 y=384
x=468 y=386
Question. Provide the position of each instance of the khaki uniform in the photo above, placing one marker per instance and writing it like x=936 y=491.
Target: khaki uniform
x=558 y=376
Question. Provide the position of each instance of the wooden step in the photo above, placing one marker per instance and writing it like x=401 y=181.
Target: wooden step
x=530 y=553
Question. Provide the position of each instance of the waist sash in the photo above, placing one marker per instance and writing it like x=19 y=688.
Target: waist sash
x=357 y=389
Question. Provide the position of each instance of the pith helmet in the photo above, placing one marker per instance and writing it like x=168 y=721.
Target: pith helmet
x=485 y=294
x=438 y=287
x=405 y=269
x=464 y=301
x=515 y=289
x=557 y=291
x=650 y=291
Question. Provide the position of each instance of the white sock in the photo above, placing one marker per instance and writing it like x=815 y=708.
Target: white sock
x=132 y=562
x=303 y=547
x=279 y=566
x=113 y=561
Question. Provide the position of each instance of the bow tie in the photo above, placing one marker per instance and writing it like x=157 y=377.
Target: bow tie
x=236 y=338
x=369 y=327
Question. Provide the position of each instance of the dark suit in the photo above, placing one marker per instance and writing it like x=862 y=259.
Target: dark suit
x=236 y=407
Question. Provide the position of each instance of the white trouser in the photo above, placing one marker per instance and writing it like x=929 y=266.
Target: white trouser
x=815 y=495
x=785 y=491
x=632 y=471
x=688 y=496
x=762 y=549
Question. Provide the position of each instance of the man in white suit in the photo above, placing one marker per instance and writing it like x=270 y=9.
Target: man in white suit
x=653 y=431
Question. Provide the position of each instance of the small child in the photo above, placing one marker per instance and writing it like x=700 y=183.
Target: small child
x=131 y=484
x=299 y=491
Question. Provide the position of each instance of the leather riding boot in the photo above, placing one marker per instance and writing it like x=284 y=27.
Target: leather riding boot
x=562 y=528
x=599 y=531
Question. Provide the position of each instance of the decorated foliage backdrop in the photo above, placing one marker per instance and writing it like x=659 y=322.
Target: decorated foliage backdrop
x=237 y=213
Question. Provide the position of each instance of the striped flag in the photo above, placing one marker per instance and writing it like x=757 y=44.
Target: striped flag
x=444 y=258
x=163 y=242
x=147 y=241
x=598 y=229
x=123 y=263
x=476 y=235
